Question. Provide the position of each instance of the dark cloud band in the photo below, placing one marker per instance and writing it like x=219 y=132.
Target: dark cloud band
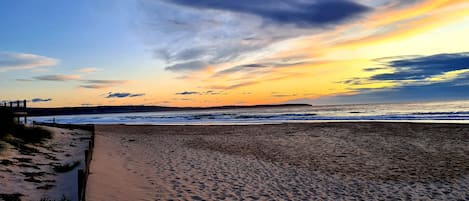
x=301 y=13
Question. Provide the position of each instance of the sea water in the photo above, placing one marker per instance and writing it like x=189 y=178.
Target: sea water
x=435 y=112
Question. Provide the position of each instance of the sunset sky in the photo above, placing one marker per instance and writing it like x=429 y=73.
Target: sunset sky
x=210 y=52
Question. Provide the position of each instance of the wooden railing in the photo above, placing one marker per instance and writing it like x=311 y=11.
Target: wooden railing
x=15 y=105
x=18 y=108
x=83 y=173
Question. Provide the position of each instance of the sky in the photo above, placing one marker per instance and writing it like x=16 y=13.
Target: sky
x=57 y=53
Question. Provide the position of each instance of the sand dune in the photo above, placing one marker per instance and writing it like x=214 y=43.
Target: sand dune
x=324 y=161
x=30 y=172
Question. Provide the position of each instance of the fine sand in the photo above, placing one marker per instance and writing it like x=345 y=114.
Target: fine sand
x=30 y=172
x=316 y=161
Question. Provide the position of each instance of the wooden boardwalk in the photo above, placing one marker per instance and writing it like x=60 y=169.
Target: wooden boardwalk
x=18 y=108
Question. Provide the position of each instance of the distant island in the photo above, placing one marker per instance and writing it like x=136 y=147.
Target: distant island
x=133 y=109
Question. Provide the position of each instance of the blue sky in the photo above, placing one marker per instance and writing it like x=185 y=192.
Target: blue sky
x=106 y=52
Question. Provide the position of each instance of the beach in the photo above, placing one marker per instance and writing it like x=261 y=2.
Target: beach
x=298 y=161
x=46 y=170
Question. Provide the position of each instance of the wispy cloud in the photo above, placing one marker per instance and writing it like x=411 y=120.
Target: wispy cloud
x=187 y=66
x=234 y=86
x=20 y=61
x=102 y=84
x=193 y=35
x=89 y=70
x=24 y=80
x=57 y=77
x=106 y=81
x=88 y=84
x=123 y=95
x=209 y=92
x=265 y=66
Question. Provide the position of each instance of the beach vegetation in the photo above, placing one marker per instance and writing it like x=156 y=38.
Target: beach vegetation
x=19 y=135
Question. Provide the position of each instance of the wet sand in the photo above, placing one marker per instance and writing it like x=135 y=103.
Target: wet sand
x=315 y=161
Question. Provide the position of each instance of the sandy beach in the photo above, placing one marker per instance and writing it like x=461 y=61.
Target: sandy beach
x=37 y=171
x=311 y=161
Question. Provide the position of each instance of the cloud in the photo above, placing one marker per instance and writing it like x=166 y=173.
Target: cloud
x=297 y=12
x=89 y=70
x=185 y=66
x=88 y=84
x=20 y=61
x=57 y=77
x=210 y=92
x=452 y=90
x=265 y=65
x=191 y=35
x=106 y=81
x=102 y=84
x=184 y=93
x=418 y=68
x=24 y=80
x=123 y=95
x=234 y=86
x=414 y=78
x=37 y=100
x=95 y=86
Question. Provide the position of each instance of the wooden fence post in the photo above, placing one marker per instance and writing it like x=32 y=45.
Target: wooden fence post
x=81 y=177
x=87 y=159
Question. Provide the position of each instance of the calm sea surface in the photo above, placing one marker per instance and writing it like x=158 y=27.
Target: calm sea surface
x=440 y=112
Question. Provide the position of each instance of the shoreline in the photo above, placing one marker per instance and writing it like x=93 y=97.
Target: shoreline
x=451 y=122
x=295 y=161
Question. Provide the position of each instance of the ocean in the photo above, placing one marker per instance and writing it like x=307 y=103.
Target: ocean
x=434 y=112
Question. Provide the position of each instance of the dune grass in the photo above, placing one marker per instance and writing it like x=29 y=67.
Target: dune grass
x=19 y=135
x=31 y=134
